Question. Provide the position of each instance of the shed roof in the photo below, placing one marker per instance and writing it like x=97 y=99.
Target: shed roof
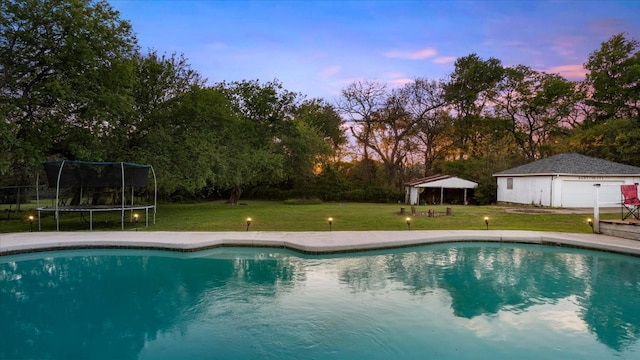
x=571 y=164
x=443 y=181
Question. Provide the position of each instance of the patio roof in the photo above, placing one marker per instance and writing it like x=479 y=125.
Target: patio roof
x=442 y=181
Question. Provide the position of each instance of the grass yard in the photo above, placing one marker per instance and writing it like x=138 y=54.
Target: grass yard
x=277 y=216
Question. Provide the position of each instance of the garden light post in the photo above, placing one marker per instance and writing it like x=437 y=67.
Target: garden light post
x=330 y=223
x=135 y=219
x=590 y=222
x=408 y=223
x=248 y=223
x=31 y=223
x=486 y=221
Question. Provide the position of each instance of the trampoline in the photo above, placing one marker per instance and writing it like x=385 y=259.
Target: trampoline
x=90 y=178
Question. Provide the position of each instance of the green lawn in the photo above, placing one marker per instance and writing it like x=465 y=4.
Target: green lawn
x=277 y=216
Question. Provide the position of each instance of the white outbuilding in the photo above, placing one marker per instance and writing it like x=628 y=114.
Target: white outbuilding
x=438 y=189
x=565 y=180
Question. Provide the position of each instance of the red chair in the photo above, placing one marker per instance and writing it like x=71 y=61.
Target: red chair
x=630 y=201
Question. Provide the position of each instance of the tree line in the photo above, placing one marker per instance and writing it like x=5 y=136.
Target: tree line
x=74 y=84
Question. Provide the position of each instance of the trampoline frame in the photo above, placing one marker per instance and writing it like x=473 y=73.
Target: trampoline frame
x=57 y=209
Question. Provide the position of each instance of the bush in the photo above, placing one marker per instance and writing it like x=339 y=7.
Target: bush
x=486 y=192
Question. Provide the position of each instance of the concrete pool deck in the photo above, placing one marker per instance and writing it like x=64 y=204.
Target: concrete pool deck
x=305 y=242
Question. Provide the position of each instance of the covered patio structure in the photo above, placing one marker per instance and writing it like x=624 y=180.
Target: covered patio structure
x=438 y=189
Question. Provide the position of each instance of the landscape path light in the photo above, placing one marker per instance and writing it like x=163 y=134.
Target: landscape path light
x=330 y=223
x=486 y=221
x=248 y=223
x=409 y=223
x=135 y=219
x=590 y=222
x=31 y=223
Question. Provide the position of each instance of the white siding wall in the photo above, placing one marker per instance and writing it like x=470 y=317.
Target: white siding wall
x=526 y=190
x=563 y=191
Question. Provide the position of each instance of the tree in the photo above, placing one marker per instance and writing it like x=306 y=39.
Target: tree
x=360 y=101
x=425 y=103
x=315 y=138
x=383 y=126
x=391 y=136
x=63 y=75
x=535 y=105
x=470 y=91
x=324 y=118
x=255 y=147
x=305 y=148
x=614 y=139
x=156 y=81
x=186 y=142
x=614 y=79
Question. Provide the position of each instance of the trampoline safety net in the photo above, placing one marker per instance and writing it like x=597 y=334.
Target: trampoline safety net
x=96 y=174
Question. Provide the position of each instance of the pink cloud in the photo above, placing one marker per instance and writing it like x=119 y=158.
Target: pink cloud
x=396 y=83
x=330 y=70
x=411 y=55
x=393 y=74
x=567 y=45
x=444 y=59
x=570 y=72
x=395 y=79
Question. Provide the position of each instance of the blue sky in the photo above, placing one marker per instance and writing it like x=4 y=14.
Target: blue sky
x=319 y=47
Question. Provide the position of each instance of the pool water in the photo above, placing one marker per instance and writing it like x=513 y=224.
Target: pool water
x=447 y=301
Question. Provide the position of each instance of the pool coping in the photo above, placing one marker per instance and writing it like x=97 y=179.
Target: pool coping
x=304 y=242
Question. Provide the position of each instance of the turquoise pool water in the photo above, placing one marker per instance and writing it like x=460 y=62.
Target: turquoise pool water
x=447 y=301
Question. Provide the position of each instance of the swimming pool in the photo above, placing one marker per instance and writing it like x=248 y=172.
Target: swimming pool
x=446 y=301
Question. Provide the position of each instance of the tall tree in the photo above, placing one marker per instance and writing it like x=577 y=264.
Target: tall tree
x=316 y=139
x=305 y=150
x=63 y=74
x=325 y=118
x=470 y=91
x=536 y=106
x=425 y=104
x=156 y=81
x=186 y=143
x=385 y=122
x=359 y=103
x=256 y=148
x=391 y=136
x=614 y=79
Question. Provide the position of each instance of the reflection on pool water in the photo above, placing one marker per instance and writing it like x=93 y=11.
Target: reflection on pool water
x=443 y=301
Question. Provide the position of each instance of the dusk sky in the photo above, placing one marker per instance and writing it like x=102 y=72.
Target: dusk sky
x=319 y=47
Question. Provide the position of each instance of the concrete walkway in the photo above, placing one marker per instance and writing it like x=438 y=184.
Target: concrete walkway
x=306 y=242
